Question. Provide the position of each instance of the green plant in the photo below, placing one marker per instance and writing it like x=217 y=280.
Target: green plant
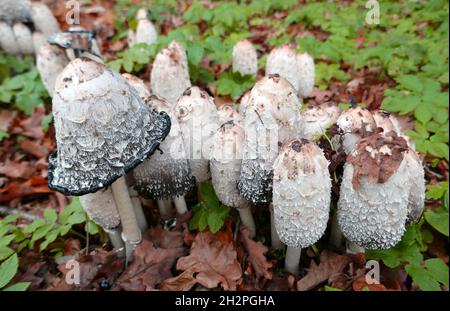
x=234 y=84
x=210 y=212
x=8 y=270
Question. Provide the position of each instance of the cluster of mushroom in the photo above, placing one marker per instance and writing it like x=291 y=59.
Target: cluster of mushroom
x=25 y=25
x=119 y=139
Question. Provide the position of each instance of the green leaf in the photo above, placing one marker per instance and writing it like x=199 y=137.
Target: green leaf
x=332 y=289
x=34 y=225
x=412 y=83
x=46 y=121
x=50 y=215
x=438 y=220
x=5 y=252
x=3 y=134
x=41 y=232
x=195 y=53
x=18 y=287
x=77 y=218
x=8 y=269
x=49 y=238
x=438 y=270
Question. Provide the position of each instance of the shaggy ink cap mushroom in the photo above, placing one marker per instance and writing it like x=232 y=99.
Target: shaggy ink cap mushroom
x=306 y=74
x=272 y=118
x=15 y=10
x=103 y=129
x=245 y=59
x=228 y=112
x=138 y=85
x=8 y=40
x=43 y=19
x=373 y=202
x=301 y=193
x=166 y=173
x=283 y=61
x=50 y=62
x=317 y=119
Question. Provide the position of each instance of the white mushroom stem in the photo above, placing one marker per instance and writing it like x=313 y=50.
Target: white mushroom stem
x=291 y=262
x=247 y=220
x=137 y=206
x=165 y=208
x=115 y=239
x=180 y=204
x=336 y=237
x=275 y=239
x=130 y=228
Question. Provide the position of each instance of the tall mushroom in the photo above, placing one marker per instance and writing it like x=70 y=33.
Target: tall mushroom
x=373 y=202
x=283 y=61
x=199 y=121
x=306 y=73
x=245 y=59
x=50 y=62
x=166 y=174
x=103 y=130
x=145 y=30
x=226 y=161
x=170 y=73
x=43 y=19
x=301 y=198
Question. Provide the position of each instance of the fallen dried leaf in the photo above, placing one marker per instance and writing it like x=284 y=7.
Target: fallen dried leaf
x=256 y=251
x=17 y=169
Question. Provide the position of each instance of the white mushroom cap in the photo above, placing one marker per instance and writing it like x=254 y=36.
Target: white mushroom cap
x=272 y=118
x=15 y=10
x=383 y=121
x=165 y=173
x=199 y=121
x=301 y=193
x=138 y=84
x=316 y=120
x=245 y=59
x=170 y=73
x=23 y=38
x=43 y=19
x=416 y=198
x=8 y=40
x=373 y=202
x=50 y=61
x=145 y=31
x=226 y=164
x=228 y=112
x=101 y=208
x=38 y=40
x=354 y=124
x=283 y=61
x=103 y=129
x=307 y=74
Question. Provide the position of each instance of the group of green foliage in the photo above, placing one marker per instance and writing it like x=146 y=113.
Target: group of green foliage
x=409 y=48
x=42 y=234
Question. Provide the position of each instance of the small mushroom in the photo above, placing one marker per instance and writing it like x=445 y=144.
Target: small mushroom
x=103 y=130
x=166 y=174
x=316 y=120
x=199 y=121
x=306 y=74
x=8 y=40
x=23 y=38
x=373 y=203
x=145 y=31
x=272 y=118
x=354 y=124
x=301 y=197
x=43 y=19
x=50 y=62
x=225 y=169
x=15 y=10
x=283 y=61
x=170 y=73
x=245 y=59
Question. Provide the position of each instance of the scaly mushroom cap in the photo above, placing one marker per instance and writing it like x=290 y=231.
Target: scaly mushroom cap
x=316 y=120
x=373 y=202
x=24 y=38
x=228 y=112
x=354 y=124
x=383 y=121
x=15 y=10
x=301 y=193
x=272 y=118
x=101 y=208
x=170 y=73
x=306 y=73
x=166 y=173
x=199 y=121
x=145 y=31
x=43 y=19
x=103 y=129
x=8 y=41
x=50 y=62
x=226 y=163
x=243 y=104
x=416 y=198
x=138 y=85
x=283 y=61
x=245 y=59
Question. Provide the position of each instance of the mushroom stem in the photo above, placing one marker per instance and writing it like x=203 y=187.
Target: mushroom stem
x=292 y=260
x=164 y=207
x=114 y=237
x=180 y=204
x=137 y=206
x=246 y=216
x=275 y=239
x=353 y=248
x=130 y=229
x=336 y=237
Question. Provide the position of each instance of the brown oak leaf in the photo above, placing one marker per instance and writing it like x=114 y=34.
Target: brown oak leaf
x=256 y=251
